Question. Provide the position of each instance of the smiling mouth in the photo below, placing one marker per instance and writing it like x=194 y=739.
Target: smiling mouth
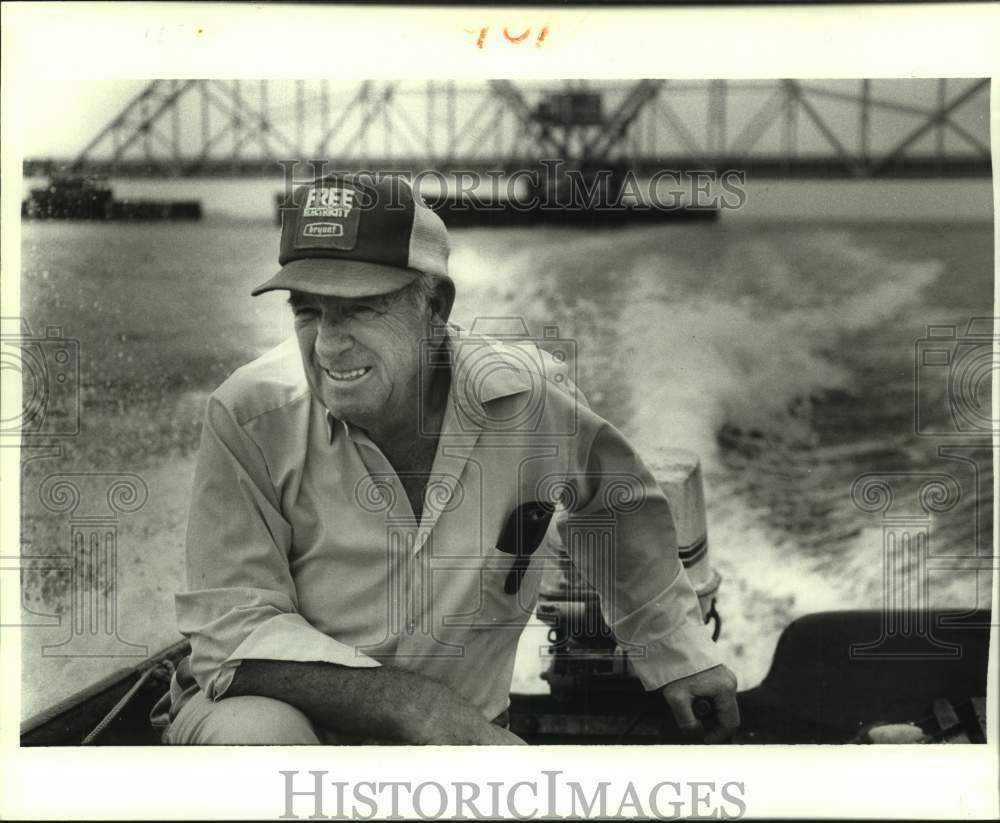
x=347 y=376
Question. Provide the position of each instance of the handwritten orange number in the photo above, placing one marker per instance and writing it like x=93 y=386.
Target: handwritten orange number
x=517 y=39
x=482 y=36
x=520 y=38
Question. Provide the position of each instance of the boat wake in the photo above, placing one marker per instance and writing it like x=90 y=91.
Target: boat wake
x=779 y=362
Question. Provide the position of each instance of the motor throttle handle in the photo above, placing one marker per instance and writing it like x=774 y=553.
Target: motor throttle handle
x=704 y=710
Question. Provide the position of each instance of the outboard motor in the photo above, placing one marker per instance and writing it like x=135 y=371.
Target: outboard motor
x=680 y=480
x=584 y=658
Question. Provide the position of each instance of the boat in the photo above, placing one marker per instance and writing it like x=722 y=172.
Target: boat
x=814 y=693
x=75 y=197
x=867 y=676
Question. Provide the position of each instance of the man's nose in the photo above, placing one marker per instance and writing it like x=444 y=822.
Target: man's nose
x=332 y=339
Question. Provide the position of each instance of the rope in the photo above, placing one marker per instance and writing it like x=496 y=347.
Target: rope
x=631 y=726
x=164 y=667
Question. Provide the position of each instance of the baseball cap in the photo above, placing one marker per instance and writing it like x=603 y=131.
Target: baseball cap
x=357 y=235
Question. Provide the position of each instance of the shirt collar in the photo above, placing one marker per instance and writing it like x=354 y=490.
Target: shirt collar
x=343 y=428
x=483 y=369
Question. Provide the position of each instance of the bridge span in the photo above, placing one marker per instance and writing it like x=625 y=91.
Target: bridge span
x=849 y=129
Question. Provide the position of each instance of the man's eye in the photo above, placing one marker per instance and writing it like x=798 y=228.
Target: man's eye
x=362 y=312
x=304 y=312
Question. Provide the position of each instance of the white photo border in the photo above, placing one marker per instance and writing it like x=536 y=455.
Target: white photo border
x=134 y=40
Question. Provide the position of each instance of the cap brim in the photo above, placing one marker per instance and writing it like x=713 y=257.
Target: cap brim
x=338 y=278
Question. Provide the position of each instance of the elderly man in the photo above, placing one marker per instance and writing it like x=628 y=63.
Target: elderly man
x=357 y=551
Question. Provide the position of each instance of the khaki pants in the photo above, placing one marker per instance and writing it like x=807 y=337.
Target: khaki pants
x=185 y=717
x=245 y=721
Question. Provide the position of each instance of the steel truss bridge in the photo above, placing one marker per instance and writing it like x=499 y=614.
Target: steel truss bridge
x=782 y=128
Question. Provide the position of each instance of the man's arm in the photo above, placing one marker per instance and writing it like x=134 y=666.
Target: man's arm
x=646 y=598
x=384 y=703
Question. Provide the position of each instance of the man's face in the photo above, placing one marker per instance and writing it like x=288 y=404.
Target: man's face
x=361 y=355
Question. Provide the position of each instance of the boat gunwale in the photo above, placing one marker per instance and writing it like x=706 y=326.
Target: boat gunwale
x=173 y=652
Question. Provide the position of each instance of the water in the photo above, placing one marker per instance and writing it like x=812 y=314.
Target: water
x=782 y=354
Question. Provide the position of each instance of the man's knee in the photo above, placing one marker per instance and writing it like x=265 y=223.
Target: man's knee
x=241 y=721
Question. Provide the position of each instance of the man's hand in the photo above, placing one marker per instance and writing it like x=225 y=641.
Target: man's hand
x=716 y=685
x=499 y=736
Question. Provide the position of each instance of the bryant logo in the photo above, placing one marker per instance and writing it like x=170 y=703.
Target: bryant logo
x=323 y=230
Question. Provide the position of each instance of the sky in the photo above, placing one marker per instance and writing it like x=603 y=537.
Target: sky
x=59 y=117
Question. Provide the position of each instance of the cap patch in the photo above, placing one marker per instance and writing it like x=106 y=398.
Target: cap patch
x=329 y=219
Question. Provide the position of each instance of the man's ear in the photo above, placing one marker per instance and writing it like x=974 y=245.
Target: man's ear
x=442 y=300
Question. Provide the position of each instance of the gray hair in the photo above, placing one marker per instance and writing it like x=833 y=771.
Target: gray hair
x=421 y=291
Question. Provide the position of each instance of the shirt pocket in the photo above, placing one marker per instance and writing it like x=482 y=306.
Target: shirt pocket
x=509 y=609
x=495 y=595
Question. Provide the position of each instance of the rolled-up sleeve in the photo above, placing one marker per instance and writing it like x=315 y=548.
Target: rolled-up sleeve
x=241 y=602
x=625 y=547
